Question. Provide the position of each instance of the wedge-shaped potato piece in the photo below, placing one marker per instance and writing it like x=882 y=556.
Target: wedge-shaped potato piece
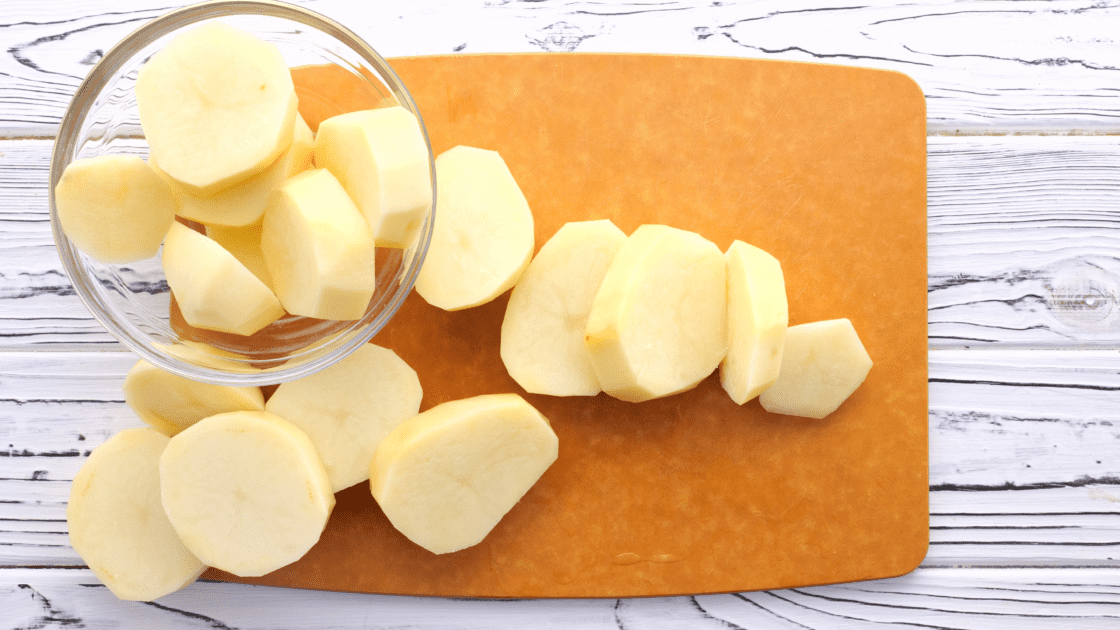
x=348 y=408
x=447 y=476
x=318 y=249
x=206 y=355
x=381 y=158
x=170 y=403
x=658 y=324
x=244 y=203
x=245 y=491
x=114 y=208
x=543 y=329
x=757 y=318
x=117 y=524
x=822 y=364
x=217 y=105
x=214 y=290
x=245 y=245
x=483 y=237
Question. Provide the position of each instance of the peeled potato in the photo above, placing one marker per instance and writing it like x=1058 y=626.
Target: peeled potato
x=483 y=236
x=542 y=333
x=658 y=324
x=318 y=249
x=348 y=408
x=447 y=476
x=245 y=491
x=822 y=364
x=245 y=244
x=170 y=403
x=757 y=317
x=114 y=208
x=213 y=289
x=381 y=158
x=117 y=524
x=244 y=203
x=217 y=105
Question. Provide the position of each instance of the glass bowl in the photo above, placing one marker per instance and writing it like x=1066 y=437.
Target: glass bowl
x=133 y=300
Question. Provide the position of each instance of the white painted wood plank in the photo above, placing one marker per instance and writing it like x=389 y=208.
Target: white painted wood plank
x=984 y=65
x=1025 y=599
x=1024 y=246
x=1024 y=453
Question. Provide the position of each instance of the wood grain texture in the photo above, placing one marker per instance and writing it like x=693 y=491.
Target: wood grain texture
x=984 y=66
x=992 y=599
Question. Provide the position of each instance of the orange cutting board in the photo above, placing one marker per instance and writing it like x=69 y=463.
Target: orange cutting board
x=822 y=166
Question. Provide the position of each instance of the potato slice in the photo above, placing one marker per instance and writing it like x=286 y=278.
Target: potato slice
x=349 y=407
x=117 y=524
x=658 y=324
x=244 y=203
x=245 y=491
x=318 y=249
x=217 y=105
x=213 y=289
x=757 y=317
x=543 y=329
x=483 y=237
x=170 y=403
x=447 y=476
x=381 y=158
x=822 y=364
x=114 y=208
x=245 y=244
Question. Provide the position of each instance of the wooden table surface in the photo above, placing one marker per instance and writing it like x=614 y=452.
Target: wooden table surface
x=1024 y=317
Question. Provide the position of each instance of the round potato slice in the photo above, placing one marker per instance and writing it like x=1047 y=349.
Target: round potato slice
x=447 y=476
x=823 y=363
x=349 y=407
x=170 y=403
x=117 y=523
x=245 y=491
x=217 y=106
x=114 y=208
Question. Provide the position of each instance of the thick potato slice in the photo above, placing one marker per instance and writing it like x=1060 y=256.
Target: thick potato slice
x=170 y=403
x=114 y=208
x=244 y=203
x=245 y=244
x=318 y=249
x=117 y=524
x=447 y=476
x=823 y=363
x=348 y=408
x=543 y=329
x=483 y=237
x=381 y=159
x=658 y=324
x=245 y=491
x=214 y=290
x=217 y=105
x=757 y=317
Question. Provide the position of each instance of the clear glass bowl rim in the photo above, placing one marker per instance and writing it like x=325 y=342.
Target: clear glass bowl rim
x=69 y=134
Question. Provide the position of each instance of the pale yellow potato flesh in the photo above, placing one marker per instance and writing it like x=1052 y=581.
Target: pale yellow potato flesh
x=116 y=521
x=381 y=159
x=483 y=236
x=658 y=323
x=822 y=364
x=245 y=491
x=446 y=477
x=217 y=106
x=318 y=249
x=214 y=290
x=349 y=407
x=245 y=245
x=205 y=355
x=542 y=333
x=114 y=208
x=170 y=403
x=244 y=203
x=757 y=318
